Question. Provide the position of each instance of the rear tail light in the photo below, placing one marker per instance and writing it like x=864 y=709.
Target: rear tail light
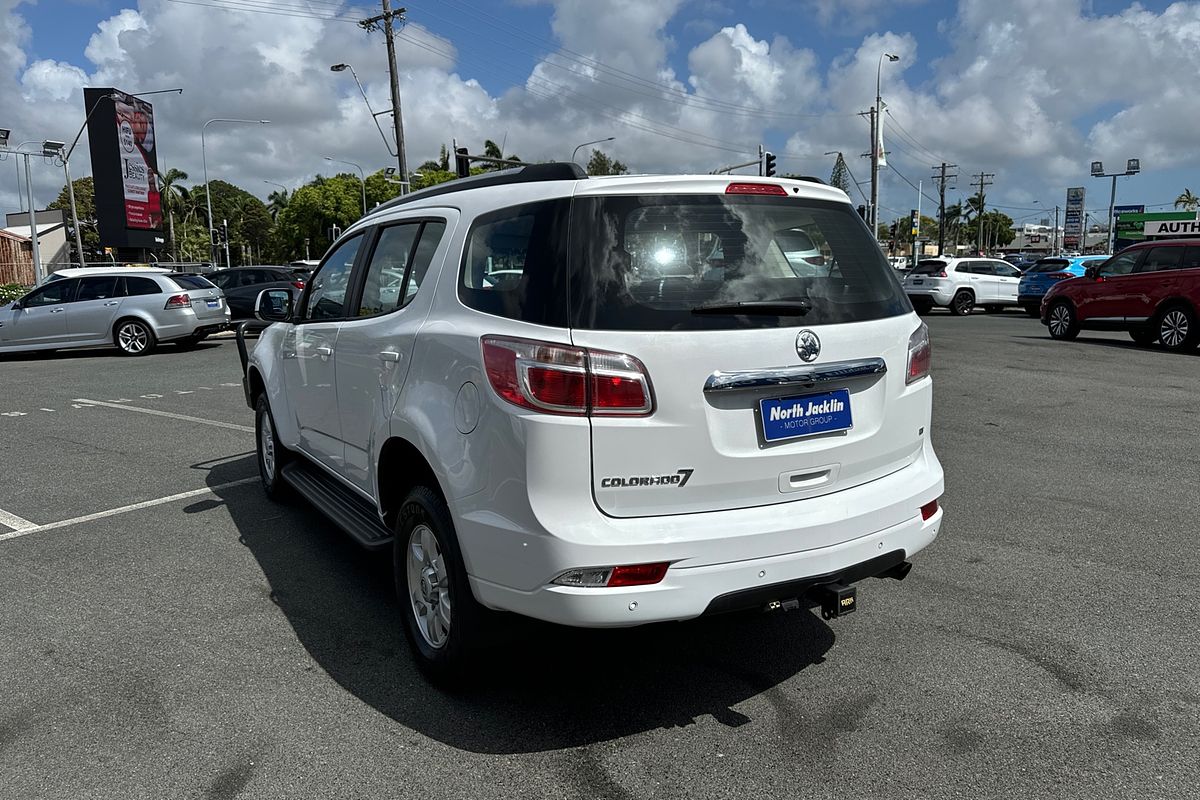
x=941 y=274
x=918 y=355
x=755 y=188
x=298 y=284
x=559 y=379
x=929 y=509
x=1060 y=276
x=816 y=261
x=632 y=575
x=178 y=301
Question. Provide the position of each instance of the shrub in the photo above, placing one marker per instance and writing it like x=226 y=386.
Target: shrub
x=11 y=291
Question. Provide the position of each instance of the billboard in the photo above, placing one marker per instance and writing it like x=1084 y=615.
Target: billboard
x=1073 y=222
x=122 y=142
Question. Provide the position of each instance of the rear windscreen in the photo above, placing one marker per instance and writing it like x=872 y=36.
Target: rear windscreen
x=191 y=282
x=1050 y=265
x=929 y=267
x=684 y=262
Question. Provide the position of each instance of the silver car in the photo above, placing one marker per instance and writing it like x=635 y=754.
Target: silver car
x=133 y=309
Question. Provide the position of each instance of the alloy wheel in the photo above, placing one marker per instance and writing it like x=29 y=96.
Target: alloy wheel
x=133 y=337
x=1060 y=320
x=1174 y=328
x=428 y=586
x=267 y=445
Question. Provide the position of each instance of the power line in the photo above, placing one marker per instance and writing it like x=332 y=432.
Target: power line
x=910 y=137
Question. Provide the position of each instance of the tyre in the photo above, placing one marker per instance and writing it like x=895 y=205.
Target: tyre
x=272 y=456
x=443 y=622
x=1033 y=309
x=134 y=337
x=962 y=303
x=1144 y=337
x=922 y=305
x=1177 y=329
x=1062 y=321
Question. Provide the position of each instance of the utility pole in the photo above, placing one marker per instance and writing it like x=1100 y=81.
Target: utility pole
x=760 y=160
x=1056 y=230
x=385 y=20
x=941 y=179
x=873 y=211
x=983 y=180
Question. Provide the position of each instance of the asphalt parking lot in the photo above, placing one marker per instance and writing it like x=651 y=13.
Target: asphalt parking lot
x=168 y=632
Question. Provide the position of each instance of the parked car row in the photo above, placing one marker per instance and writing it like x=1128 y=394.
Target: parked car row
x=961 y=284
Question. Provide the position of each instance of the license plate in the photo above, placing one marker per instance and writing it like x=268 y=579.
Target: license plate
x=918 y=282
x=214 y=303
x=805 y=415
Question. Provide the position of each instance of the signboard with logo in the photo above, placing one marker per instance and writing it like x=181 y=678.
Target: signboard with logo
x=1073 y=221
x=1171 y=227
x=122 y=141
x=1134 y=227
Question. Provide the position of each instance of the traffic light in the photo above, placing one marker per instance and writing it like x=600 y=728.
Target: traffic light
x=214 y=236
x=462 y=164
x=224 y=233
x=769 y=164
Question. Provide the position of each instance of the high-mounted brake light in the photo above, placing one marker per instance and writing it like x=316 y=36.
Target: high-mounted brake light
x=755 y=188
x=919 y=355
x=178 y=301
x=559 y=379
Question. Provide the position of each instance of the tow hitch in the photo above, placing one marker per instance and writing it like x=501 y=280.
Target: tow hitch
x=835 y=599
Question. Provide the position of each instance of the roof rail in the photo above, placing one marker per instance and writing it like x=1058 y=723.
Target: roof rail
x=531 y=173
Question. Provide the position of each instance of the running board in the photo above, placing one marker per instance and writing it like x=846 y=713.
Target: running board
x=347 y=510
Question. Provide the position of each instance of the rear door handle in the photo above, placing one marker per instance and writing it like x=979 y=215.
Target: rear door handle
x=57 y=310
x=390 y=356
x=113 y=303
x=324 y=350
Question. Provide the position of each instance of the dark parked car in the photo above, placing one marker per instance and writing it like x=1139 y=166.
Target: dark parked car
x=243 y=284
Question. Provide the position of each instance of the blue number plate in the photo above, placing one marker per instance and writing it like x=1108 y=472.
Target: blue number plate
x=214 y=303
x=806 y=415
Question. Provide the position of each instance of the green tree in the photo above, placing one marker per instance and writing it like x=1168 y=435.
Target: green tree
x=602 y=164
x=85 y=207
x=997 y=229
x=1187 y=201
x=840 y=177
x=314 y=210
x=170 y=185
x=903 y=228
x=277 y=201
x=250 y=224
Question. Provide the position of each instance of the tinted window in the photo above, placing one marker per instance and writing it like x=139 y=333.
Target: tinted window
x=98 y=288
x=386 y=273
x=1121 y=264
x=431 y=237
x=929 y=268
x=137 y=286
x=224 y=280
x=1050 y=265
x=191 y=282
x=1159 y=258
x=514 y=263
x=1191 y=258
x=662 y=262
x=1005 y=269
x=327 y=295
x=51 y=294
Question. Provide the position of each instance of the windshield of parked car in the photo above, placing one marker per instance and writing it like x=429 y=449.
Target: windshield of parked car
x=1050 y=265
x=191 y=282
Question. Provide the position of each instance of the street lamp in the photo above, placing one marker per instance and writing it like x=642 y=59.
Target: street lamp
x=207 y=194
x=876 y=140
x=362 y=176
x=374 y=114
x=585 y=144
x=1132 y=167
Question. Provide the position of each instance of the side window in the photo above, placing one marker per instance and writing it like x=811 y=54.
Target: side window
x=1122 y=264
x=51 y=294
x=1005 y=270
x=1191 y=258
x=431 y=237
x=222 y=280
x=386 y=272
x=514 y=263
x=96 y=288
x=327 y=297
x=135 y=285
x=1158 y=258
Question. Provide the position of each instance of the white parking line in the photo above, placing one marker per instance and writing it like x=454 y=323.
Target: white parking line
x=112 y=512
x=13 y=521
x=158 y=413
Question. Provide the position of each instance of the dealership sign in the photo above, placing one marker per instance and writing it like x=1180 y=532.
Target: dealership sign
x=1073 y=221
x=1177 y=227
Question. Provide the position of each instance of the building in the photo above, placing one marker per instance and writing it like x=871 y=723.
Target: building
x=16 y=259
x=54 y=251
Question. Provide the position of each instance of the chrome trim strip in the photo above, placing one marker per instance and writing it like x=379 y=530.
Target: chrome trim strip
x=794 y=376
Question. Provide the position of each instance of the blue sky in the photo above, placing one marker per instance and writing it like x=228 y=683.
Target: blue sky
x=983 y=84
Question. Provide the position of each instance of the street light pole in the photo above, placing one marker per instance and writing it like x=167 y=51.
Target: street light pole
x=362 y=177
x=876 y=127
x=1132 y=167
x=374 y=114
x=585 y=144
x=212 y=248
x=33 y=232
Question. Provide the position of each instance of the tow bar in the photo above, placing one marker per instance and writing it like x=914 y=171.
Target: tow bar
x=835 y=599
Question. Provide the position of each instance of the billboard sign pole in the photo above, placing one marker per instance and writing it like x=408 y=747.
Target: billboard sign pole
x=1073 y=233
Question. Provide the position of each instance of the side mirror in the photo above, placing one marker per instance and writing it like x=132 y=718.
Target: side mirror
x=1092 y=272
x=16 y=304
x=273 y=305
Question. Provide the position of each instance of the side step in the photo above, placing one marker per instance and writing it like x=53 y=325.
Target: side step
x=348 y=511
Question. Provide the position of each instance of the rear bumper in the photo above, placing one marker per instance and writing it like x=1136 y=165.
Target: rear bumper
x=1031 y=297
x=939 y=295
x=184 y=323
x=689 y=592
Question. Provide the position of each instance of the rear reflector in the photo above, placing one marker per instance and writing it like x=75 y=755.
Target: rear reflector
x=638 y=574
x=179 y=301
x=756 y=188
x=929 y=509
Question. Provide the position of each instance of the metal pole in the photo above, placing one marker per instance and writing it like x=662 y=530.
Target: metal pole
x=212 y=254
x=1112 y=202
x=74 y=213
x=33 y=233
x=873 y=212
x=397 y=117
x=1056 y=230
x=225 y=228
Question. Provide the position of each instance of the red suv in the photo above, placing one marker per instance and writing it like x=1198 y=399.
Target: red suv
x=1151 y=289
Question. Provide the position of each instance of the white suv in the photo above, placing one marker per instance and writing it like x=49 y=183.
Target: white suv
x=961 y=284
x=604 y=401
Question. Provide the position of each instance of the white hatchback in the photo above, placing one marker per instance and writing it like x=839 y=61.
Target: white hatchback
x=605 y=401
x=961 y=284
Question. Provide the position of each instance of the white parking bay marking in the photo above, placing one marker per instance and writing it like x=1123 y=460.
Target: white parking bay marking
x=112 y=512
x=15 y=522
x=158 y=413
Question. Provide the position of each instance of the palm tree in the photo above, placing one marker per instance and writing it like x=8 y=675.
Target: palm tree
x=172 y=192
x=277 y=201
x=1187 y=201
